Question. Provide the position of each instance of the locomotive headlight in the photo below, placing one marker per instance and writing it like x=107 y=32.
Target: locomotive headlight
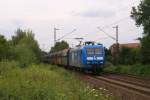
x=100 y=58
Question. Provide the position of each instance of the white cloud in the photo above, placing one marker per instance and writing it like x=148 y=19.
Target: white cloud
x=42 y=15
x=101 y=12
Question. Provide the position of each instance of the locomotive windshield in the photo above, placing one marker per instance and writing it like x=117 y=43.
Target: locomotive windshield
x=97 y=51
x=90 y=51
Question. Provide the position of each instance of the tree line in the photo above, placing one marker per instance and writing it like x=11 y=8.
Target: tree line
x=141 y=15
x=22 y=47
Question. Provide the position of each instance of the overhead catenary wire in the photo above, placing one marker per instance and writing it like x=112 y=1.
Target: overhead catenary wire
x=102 y=28
x=106 y=26
x=116 y=22
x=106 y=33
x=122 y=19
x=66 y=34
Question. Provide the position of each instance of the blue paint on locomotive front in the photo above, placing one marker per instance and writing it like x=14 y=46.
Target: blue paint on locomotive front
x=87 y=56
x=94 y=58
x=91 y=58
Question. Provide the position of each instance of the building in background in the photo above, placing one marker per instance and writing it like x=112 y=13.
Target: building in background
x=113 y=48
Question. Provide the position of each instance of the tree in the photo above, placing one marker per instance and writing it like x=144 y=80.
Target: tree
x=25 y=47
x=25 y=55
x=4 y=48
x=19 y=34
x=108 y=55
x=145 y=50
x=32 y=44
x=129 y=55
x=60 y=46
x=141 y=15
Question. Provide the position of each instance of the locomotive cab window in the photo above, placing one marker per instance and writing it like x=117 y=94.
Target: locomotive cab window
x=89 y=51
x=97 y=51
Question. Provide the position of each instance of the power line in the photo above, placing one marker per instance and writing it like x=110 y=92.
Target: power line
x=120 y=20
x=66 y=34
x=116 y=22
x=106 y=33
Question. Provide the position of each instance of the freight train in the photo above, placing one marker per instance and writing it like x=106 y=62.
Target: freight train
x=87 y=57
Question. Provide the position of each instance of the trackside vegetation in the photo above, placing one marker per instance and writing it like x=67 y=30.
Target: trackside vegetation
x=137 y=69
x=135 y=60
x=43 y=82
x=23 y=77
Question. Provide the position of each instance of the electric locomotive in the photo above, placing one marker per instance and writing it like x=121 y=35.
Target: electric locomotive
x=87 y=57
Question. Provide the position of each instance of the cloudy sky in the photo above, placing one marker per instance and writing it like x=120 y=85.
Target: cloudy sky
x=83 y=15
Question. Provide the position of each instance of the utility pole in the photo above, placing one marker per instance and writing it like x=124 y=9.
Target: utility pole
x=55 y=29
x=117 y=44
x=116 y=27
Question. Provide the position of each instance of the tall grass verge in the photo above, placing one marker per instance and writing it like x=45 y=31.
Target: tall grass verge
x=43 y=82
x=137 y=69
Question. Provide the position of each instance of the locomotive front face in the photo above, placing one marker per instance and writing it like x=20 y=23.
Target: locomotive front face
x=94 y=55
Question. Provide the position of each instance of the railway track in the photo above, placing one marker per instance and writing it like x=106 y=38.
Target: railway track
x=123 y=87
x=138 y=88
x=138 y=81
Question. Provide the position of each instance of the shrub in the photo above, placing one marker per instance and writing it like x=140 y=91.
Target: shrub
x=129 y=56
x=6 y=67
x=45 y=82
x=137 y=69
x=4 y=48
x=24 y=55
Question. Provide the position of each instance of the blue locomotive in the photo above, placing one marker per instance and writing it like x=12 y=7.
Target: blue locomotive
x=88 y=57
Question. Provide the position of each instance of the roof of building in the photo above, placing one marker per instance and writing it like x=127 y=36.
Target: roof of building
x=130 y=45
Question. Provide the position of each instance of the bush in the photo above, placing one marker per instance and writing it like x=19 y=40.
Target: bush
x=44 y=82
x=137 y=69
x=4 y=48
x=140 y=69
x=22 y=48
x=107 y=64
x=6 y=67
x=129 y=56
x=24 y=55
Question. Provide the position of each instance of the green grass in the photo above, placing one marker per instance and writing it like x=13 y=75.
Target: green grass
x=43 y=82
x=137 y=69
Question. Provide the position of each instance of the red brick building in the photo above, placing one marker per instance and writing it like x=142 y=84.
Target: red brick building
x=128 y=45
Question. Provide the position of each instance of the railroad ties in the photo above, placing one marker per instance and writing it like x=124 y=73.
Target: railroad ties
x=123 y=87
